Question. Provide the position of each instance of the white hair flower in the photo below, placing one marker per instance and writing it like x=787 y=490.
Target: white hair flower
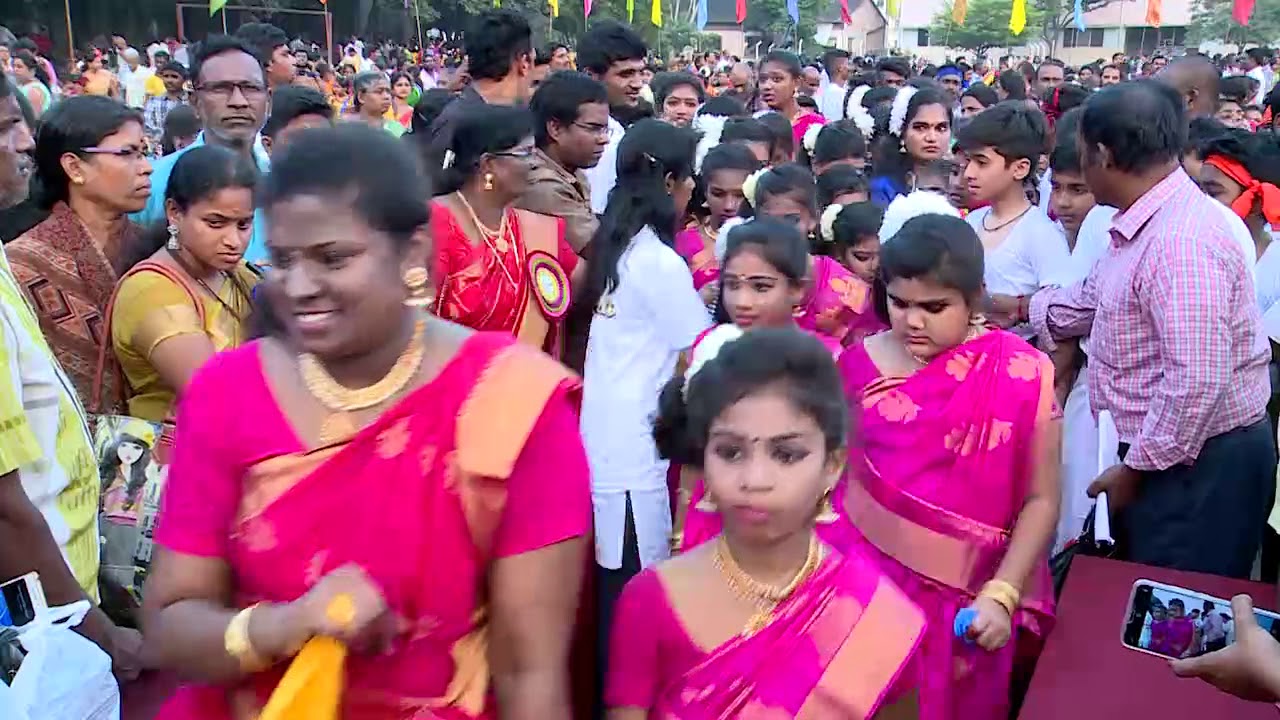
x=909 y=207
x=828 y=222
x=854 y=100
x=749 y=185
x=722 y=237
x=449 y=157
x=898 y=113
x=708 y=348
x=709 y=128
x=866 y=124
x=810 y=139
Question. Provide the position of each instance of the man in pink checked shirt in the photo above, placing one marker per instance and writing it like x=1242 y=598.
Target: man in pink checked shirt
x=1175 y=353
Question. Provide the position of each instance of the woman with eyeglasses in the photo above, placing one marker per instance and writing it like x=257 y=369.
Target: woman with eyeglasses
x=91 y=171
x=371 y=99
x=498 y=267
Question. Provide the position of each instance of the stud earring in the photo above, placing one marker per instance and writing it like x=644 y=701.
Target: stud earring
x=826 y=510
x=173 y=245
x=706 y=504
x=418 y=280
x=488 y=181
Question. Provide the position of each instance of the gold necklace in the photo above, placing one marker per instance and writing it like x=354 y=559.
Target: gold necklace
x=341 y=401
x=763 y=597
x=485 y=230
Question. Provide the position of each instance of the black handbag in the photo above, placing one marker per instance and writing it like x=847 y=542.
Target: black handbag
x=1060 y=564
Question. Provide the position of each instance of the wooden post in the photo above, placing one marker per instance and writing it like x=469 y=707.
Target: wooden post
x=71 y=41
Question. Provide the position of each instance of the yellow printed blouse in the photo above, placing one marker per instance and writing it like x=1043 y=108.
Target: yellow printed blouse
x=44 y=435
x=150 y=308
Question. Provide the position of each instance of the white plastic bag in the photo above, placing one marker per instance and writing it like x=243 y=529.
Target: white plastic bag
x=64 y=676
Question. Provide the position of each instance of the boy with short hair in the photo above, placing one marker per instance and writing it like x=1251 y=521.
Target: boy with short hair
x=1023 y=246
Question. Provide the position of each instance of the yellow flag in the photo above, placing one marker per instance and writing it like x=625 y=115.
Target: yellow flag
x=631 y=10
x=1018 y=20
x=891 y=8
x=656 y=14
x=555 y=8
x=959 y=10
x=215 y=6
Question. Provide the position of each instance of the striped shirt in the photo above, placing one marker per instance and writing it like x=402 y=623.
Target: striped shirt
x=44 y=436
x=1176 y=353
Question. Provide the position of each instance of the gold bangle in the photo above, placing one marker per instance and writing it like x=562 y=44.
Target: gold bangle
x=1004 y=593
x=235 y=640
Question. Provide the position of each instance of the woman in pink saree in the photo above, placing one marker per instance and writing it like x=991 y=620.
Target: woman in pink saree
x=953 y=483
x=767 y=621
x=419 y=498
x=717 y=197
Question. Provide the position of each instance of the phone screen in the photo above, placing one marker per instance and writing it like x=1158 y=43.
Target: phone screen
x=16 y=605
x=1178 y=624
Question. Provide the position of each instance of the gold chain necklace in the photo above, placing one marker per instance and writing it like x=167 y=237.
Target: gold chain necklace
x=485 y=230
x=763 y=597
x=341 y=401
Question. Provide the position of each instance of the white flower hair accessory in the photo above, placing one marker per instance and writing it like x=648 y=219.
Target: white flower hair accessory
x=898 y=113
x=708 y=348
x=909 y=207
x=749 y=185
x=828 y=222
x=854 y=101
x=449 y=158
x=810 y=139
x=866 y=124
x=722 y=237
x=709 y=128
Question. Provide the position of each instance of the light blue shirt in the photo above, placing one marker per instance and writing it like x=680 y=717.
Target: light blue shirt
x=153 y=213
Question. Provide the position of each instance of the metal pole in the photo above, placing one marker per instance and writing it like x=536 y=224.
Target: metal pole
x=71 y=42
x=417 y=15
x=224 y=21
x=328 y=32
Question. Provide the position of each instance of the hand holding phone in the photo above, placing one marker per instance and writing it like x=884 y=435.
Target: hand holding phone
x=21 y=600
x=1249 y=668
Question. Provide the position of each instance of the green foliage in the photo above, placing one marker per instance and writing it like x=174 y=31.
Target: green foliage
x=986 y=26
x=1211 y=20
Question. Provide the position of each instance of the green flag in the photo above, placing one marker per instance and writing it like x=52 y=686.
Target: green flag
x=631 y=10
x=215 y=6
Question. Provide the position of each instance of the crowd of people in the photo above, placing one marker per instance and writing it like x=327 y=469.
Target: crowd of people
x=564 y=382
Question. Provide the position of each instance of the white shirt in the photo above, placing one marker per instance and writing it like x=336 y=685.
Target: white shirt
x=604 y=175
x=1030 y=256
x=1261 y=76
x=134 y=84
x=631 y=355
x=831 y=101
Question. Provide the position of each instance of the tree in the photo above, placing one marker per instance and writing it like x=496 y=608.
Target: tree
x=1058 y=15
x=1211 y=20
x=986 y=26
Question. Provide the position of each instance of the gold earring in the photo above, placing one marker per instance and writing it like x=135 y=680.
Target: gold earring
x=418 y=280
x=488 y=181
x=77 y=181
x=826 y=510
x=706 y=504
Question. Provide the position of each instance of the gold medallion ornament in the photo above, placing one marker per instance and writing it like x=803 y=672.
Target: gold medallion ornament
x=765 y=598
x=341 y=401
x=550 y=284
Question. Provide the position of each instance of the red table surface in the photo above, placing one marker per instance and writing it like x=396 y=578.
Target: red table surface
x=1085 y=672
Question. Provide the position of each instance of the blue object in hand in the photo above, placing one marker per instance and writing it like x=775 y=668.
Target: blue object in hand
x=964 y=619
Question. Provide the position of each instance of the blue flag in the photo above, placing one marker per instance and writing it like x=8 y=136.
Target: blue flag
x=793 y=9
x=702 y=15
x=1079 y=13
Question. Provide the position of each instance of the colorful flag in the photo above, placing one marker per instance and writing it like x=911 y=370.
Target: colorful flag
x=846 y=16
x=793 y=9
x=959 y=10
x=702 y=14
x=215 y=6
x=1079 y=15
x=1242 y=10
x=631 y=10
x=655 y=14
x=555 y=8
x=1018 y=20
x=741 y=8
x=891 y=9
x=586 y=8
x=1155 y=12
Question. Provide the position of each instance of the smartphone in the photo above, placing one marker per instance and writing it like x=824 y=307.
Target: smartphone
x=21 y=600
x=1174 y=622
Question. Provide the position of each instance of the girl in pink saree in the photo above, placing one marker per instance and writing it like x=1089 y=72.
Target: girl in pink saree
x=953 y=475
x=767 y=621
x=722 y=174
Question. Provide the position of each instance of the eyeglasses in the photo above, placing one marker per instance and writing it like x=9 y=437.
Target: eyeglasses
x=224 y=90
x=597 y=130
x=128 y=152
x=518 y=154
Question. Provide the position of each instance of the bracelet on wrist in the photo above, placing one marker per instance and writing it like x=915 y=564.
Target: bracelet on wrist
x=1003 y=593
x=237 y=643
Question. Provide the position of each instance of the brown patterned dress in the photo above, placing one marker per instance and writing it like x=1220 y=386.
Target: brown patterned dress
x=69 y=280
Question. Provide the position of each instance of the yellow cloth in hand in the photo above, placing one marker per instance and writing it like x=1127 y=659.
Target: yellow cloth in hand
x=311 y=688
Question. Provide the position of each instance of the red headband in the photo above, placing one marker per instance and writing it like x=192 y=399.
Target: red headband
x=1254 y=189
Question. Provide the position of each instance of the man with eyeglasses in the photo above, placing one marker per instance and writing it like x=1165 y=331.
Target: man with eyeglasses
x=230 y=96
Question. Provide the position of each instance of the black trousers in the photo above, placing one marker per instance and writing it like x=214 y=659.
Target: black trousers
x=1207 y=516
x=609 y=584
